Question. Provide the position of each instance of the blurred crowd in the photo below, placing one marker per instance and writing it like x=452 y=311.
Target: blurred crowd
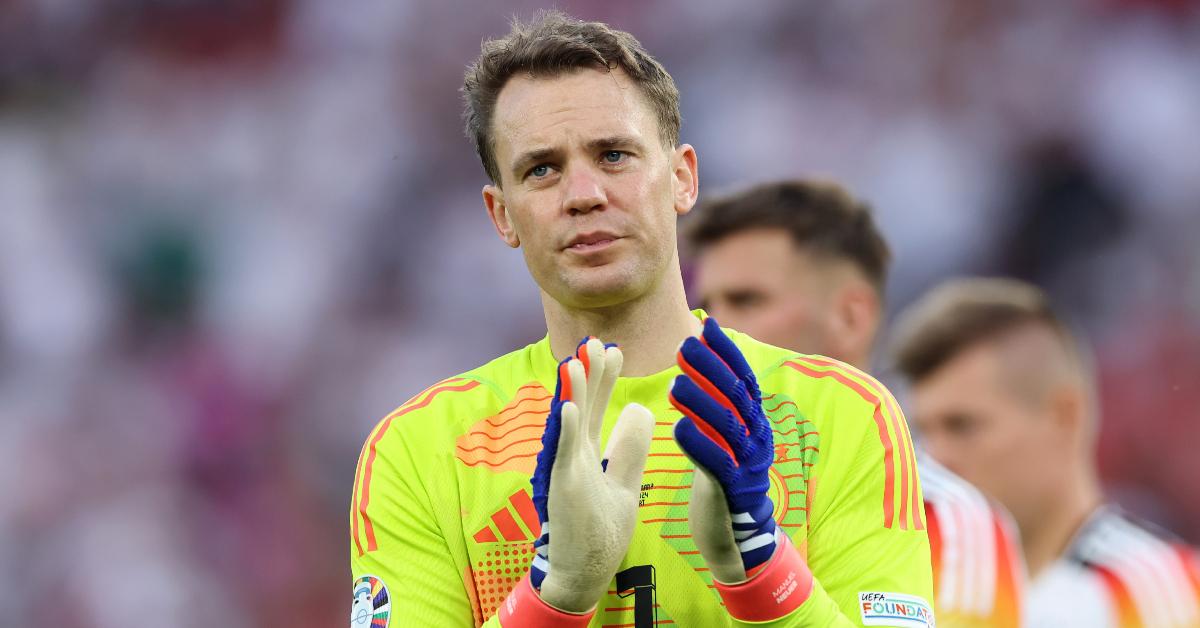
x=233 y=235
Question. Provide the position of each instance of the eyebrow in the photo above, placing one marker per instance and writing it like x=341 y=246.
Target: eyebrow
x=526 y=159
x=614 y=141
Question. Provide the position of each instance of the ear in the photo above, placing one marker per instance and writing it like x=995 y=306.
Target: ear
x=686 y=178
x=1068 y=409
x=856 y=311
x=493 y=199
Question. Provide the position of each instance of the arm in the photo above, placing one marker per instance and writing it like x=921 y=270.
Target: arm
x=400 y=561
x=761 y=577
x=867 y=530
x=401 y=544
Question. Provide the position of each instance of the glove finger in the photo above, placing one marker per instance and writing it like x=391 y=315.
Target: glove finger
x=586 y=353
x=562 y=387
x=712 y=419
x=710 y=373
x=569 y=440
x=613 y=359
x=575 y=384
x=715 y=339
x=561 y=375
x=629 y=446
x=703 y=452
x=762 y=442
x=592 y=354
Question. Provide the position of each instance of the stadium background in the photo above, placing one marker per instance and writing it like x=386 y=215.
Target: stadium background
x=235 y=234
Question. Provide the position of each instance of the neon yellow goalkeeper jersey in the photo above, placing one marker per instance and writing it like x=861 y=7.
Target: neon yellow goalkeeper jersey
x=442 y=521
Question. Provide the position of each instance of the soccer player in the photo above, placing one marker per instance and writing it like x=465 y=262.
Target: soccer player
x=740 y=483
x=1003 y=393
x=801 y=265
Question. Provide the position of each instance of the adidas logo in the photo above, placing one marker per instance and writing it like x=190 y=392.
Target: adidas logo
x=506 y=524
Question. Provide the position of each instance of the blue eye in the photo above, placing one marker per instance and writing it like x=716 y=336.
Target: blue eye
x=613 y=156
x=540 y=170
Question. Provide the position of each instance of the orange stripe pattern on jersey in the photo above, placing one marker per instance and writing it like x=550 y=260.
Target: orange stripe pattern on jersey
x=1009 y=578
x=1145 y=575
x=362 y=492
x=900 y=467
x=1122 y=599
x=977 y=573
x=1191 y=564
x=510 y=439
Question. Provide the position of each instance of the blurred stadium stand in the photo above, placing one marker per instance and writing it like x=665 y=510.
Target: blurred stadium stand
x=235 y=234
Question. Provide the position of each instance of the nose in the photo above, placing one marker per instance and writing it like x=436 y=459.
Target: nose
x=583 y=191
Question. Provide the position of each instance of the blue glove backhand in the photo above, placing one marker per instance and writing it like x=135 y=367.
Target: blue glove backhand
x=725 y=432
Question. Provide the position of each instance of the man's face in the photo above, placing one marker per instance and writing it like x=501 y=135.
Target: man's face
x=588 y=189
x=972 y=419
x=759 y=282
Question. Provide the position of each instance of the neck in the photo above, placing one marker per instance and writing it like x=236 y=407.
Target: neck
x=1046 y=535
x=648 y=329
x=861 y=361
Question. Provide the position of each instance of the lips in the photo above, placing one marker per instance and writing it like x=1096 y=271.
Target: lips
x=591 y=241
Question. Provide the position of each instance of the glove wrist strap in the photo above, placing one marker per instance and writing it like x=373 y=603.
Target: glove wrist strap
x=524 y=608
x=778 y=589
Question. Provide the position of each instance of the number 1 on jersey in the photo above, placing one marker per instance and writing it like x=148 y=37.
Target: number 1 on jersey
x=638 y=581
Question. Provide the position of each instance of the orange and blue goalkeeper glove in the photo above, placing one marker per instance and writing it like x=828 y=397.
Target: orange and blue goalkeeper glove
x=724 y=431
x=591 y=499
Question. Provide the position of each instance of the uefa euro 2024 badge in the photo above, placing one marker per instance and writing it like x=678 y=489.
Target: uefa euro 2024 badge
x=372 y=606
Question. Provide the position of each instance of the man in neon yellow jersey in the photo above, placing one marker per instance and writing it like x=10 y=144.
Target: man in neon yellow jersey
x=787 y=494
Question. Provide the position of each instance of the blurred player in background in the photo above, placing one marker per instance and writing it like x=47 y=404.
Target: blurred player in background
x=801 y=265
x=797 y=503
x=1004 y=394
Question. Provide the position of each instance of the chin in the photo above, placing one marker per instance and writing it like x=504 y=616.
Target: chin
x=597 y=297
x=601 y=287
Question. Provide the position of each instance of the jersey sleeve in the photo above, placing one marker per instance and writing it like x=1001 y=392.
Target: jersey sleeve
x=401 y=522
x=396 y=538
x=978 y=574
x=867 y=547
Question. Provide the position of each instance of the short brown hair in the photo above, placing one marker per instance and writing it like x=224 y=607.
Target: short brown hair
x=553 y=44
x=962 y=313
x=820 y=216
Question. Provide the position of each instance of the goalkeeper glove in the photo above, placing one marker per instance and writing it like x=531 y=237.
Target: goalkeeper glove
x=591 y=500
x=728 y=437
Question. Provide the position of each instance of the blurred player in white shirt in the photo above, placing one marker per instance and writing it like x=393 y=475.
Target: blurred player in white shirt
x=1004 y=396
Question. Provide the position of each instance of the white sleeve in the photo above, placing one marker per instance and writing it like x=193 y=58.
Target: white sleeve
x=1067 y=595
